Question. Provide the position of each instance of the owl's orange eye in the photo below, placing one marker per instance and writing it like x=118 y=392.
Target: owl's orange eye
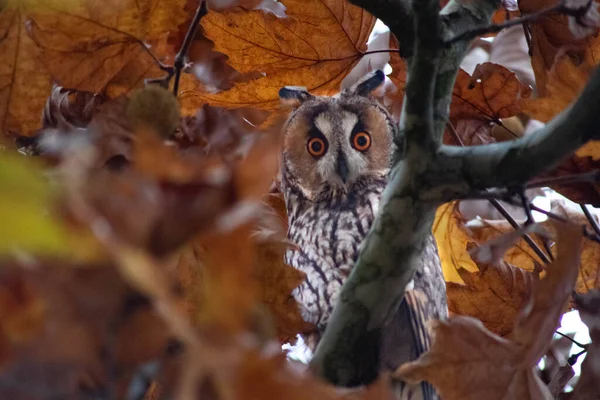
x=316 y=147
x=361 y=141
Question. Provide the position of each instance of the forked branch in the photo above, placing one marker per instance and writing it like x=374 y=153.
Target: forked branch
x=427 y=174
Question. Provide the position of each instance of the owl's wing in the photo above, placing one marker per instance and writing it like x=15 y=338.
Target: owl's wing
x=406 y=336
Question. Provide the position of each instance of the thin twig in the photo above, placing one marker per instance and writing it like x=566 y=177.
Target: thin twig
x=560 y=8
x=181 y=56
x=454 y=133
x=585 y=177
x=586 y=233
x=498 y=206
x=583 y=346
x=526 y=206
x=572 y=360
x=511 y=220
x=591 y=219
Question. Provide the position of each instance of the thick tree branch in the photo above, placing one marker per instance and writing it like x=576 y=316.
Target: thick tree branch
x=510 y=164
x=391 y=251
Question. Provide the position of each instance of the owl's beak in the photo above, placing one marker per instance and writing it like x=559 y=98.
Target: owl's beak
x=342 y=168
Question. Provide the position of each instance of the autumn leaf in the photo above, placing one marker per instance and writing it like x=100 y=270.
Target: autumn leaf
x=494 y=295
x=31 y=221
x=551 y=35
x=64 y=319
x=588 y=387
x=480 y=102
x=522 y=256
x=90 y=44
x=565 y=83
x=467 y=361
x=277 y=279
x=24 y=83
x=491 y=93
x=22 y=313
x=452 y=243
x=519 y=254
x=316 y=46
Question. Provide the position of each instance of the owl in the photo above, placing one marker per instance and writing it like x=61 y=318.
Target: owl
x=337 y=155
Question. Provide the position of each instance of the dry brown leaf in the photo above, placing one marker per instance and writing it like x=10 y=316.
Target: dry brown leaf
x=522 y=256
x=551 y=36
x=491 y=93
x=566 y=80
x=471 y=132
x=315 y=46
x=277 y=279
x=481 y=101
x=24 y=83
x=88 y=314
x=519 y=255
x=493 y=250
x=467 y=361
x=88 y=44
x=452 y=243
x=588 y=386
x=494 y=295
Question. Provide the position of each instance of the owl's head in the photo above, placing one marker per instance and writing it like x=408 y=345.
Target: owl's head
x=334 y=143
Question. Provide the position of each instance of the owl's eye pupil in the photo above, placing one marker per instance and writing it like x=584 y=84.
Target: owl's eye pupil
x=316 y=146
x=361 y=141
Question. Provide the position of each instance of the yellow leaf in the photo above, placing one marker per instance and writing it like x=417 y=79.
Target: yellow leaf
x=452 y=243
x=28 y=221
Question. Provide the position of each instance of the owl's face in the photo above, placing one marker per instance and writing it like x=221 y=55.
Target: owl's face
x=331 y=143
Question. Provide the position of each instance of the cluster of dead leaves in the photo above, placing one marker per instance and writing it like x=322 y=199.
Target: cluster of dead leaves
x=156 y=252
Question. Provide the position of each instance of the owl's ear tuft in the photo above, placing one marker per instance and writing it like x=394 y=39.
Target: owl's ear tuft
x=293 y=96
x=368 y=84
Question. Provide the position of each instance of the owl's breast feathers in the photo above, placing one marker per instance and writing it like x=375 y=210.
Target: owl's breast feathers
x=328 y=233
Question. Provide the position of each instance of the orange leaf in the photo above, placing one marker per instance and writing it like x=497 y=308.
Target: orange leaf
x=491 y=93
x=316 y=46
x=494 y=295
x=24 y=83
x=90 y=43
x=565 y=82
x=277 y=279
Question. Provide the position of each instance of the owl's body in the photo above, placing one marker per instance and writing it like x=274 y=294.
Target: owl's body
x=328 y=234
x=336 y=159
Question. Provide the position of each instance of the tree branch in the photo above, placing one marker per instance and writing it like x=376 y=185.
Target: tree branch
x=391 y=252
x=460 y=170
x=181 y=56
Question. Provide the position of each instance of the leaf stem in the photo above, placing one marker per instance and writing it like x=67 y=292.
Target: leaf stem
x=181 y=56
